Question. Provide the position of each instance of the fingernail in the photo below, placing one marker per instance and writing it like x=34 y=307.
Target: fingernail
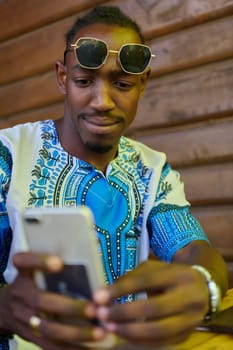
x=102 y=313
x=54 y=263
x=110 y=327
x=90 y=311
x=101 y=296
x=98 y=333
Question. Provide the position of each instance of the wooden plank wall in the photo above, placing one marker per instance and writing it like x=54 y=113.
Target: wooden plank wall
x=187 y=110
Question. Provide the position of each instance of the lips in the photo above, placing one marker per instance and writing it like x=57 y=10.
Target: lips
x=101 y=125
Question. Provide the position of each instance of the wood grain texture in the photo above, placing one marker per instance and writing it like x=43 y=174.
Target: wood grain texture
x=188 y=95
x=210 y=42
x=155 y=17
x=193 y=143
x=217 y=222
x=158 y=17
x=52 y=111
x=209 y=184
x=32 y=14
x=28 y=94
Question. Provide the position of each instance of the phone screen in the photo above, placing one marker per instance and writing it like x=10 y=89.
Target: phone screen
x=221 y=323
x=71 y=281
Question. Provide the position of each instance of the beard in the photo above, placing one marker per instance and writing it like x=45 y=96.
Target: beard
x=97 y=148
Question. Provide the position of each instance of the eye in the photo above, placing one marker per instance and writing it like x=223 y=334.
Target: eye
x=82 y=82
x=124 y=85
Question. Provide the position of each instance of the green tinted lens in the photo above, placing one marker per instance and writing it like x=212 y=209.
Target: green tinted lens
x=91 y=53
x=134 y=58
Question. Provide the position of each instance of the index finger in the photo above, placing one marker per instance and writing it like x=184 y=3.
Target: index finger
x=37 y=261
x=150 y=277
x=135 y=281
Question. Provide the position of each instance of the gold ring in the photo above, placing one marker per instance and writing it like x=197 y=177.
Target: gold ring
x=34 y=322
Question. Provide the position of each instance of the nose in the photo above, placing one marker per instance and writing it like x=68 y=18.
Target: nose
x=102 y=99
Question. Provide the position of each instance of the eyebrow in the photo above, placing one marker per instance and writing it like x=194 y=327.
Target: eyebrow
x=77 y=66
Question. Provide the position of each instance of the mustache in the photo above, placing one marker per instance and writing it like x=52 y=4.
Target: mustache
x=104 y=115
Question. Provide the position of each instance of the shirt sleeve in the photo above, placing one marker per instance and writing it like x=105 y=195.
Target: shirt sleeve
x=5 y=230
x=170 y=224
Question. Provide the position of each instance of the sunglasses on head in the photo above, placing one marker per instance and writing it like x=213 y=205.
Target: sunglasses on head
x=92 y=53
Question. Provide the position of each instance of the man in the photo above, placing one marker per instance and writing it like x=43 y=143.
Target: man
x=136 y=198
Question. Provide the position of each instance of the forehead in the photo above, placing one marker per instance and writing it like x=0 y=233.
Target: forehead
x=114 y=35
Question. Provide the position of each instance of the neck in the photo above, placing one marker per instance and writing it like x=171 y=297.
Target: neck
x=74 y=147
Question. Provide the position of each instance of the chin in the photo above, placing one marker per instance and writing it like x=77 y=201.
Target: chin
x=98 y=148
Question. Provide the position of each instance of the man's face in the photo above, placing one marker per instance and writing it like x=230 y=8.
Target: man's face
x=100 y=103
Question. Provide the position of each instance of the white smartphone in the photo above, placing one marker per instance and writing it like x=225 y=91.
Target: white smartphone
x=69 y=233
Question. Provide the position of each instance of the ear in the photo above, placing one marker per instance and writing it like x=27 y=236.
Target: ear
x=143 y=79
x=61 y=76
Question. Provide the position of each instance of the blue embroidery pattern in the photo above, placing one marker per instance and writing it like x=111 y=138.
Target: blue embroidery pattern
x=5 y=231
x=171 y=227
x=164 y=186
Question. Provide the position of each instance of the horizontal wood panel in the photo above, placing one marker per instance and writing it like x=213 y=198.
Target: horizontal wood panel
x=193 y=144
x=34 y=53
x=52 y=111
x=160 y=17
x=217 y=222
x=30 y=14
x=211 y=42
x=34 y=92
x=187 y=96
x=209 y=184
x=37 y=51
x=155 y=17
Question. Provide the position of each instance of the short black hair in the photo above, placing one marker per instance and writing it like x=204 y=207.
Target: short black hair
x=102 y=14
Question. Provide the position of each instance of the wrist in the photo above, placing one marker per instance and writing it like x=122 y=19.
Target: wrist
x=213 y=289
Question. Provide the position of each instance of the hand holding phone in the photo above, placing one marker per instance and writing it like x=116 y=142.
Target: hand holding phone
x=68 y=233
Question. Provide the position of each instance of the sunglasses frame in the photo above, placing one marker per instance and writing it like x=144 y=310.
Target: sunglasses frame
x=76 y=45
